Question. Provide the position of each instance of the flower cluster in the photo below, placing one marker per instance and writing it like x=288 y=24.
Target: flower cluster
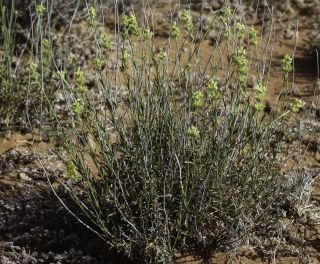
x=240 y=60
x=253 y=36
x=71 y=170
x=99 y=64
x=296 y=105
x=286 y=66
x=80 y=81
x=92 y=16
x=147 y=35
x=175 y=31
x=198 y=99
x=129 y=26
x=81 y=89
x=77 y=107
x=213 y=91
x=162 y=56
x=225 y=16
x=33 y=72
x=187 y=21
x=124 y=57
x=240 y=28
x=40 y=9
x=45 y=52
x=260 y=96
x=106 y=42
x=193 y=132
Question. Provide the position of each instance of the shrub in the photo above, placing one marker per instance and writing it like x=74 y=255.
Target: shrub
x=9 y=93
x=178 y=153
x=22 y=83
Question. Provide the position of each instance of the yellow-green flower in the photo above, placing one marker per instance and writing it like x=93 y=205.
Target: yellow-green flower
x=77 y=107
x=193 y=132
x=81 y=81
x=99 y=64
x=225 y=14
x=213 y=91
x=239 y=59
x=253 y=36
x=147 y=34
x=261 y=91
x=71 y=170
x=162 y=56
x=92 y=16
x=33 y=72
x=240 y=29
x=106 y=40
x=175 y=31
x=242 y=78
x=125 y=56
x=260 y=96
x=129 y=26
x=187 y=21
x=286 y=66
x=296 y=105
x=259 y=106
x=45 y=52
x=40 y=9
x=198 y=99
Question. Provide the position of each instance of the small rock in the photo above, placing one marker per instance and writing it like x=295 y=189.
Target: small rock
x=288 y=33
x=216 y=4
x=310 y=142
x=8 y=245
x=24 y=177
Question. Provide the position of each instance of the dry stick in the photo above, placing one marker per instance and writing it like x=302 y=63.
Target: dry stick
x=72 y=19
x=293 y=56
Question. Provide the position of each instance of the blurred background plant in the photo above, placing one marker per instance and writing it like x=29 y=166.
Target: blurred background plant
x=9 y=92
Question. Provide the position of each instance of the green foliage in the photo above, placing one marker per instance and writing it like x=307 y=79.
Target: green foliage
x=9 y=90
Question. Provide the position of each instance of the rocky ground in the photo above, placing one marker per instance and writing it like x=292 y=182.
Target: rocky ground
x=36 y=228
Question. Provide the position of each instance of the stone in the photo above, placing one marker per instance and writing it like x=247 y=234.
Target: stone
x=216 y=4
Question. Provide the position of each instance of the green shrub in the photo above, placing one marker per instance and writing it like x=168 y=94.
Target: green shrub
x=179 y=153
x=8 y=90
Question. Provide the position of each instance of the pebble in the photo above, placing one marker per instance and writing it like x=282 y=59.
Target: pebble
x=24 y=177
